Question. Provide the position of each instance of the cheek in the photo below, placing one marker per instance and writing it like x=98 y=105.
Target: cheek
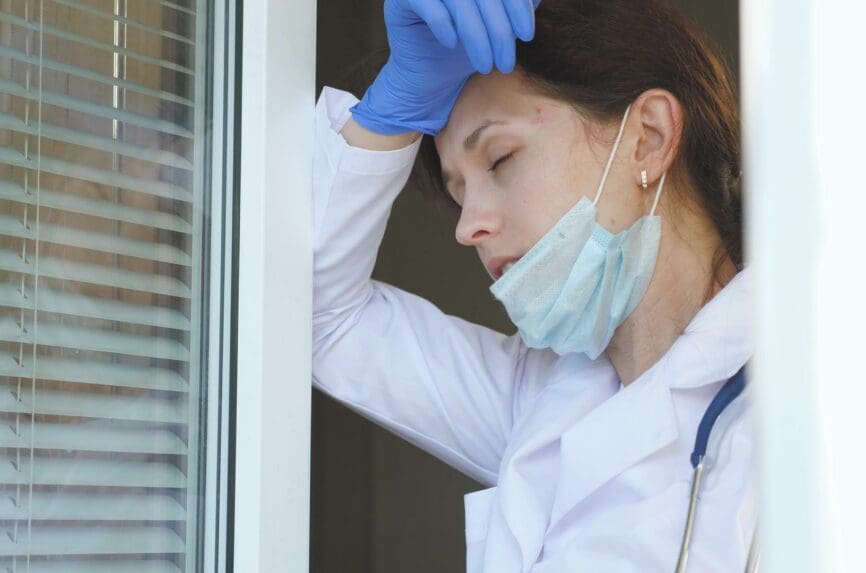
x=549 y=185
x=532 y=207
x=542 y=190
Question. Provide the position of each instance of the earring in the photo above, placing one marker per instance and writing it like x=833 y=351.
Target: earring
x=643 y=181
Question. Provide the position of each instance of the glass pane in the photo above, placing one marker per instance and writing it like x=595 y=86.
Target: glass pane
x=103 y=285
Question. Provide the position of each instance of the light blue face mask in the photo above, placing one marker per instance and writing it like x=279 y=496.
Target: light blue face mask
x=573 y=288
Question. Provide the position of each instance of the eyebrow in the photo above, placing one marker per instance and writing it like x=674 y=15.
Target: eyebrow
x=470 y=142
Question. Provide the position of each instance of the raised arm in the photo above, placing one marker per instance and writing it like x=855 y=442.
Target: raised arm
x=439 y=381
x=444 y=384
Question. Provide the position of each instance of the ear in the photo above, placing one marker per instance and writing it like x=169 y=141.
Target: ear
x=659 y=118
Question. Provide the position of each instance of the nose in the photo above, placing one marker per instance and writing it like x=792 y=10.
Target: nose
x=477 y=222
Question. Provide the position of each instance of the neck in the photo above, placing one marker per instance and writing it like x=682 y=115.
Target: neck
x=683 y=281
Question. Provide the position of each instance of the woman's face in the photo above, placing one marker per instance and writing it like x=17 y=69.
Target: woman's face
x=516 y=161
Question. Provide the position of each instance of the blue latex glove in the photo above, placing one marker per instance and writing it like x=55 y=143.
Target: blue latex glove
x=436 y=45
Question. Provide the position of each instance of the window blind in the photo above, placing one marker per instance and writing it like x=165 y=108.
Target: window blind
x=102 y=282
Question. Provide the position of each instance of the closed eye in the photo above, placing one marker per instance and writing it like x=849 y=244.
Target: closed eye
x=501 y=160
x=493 y=167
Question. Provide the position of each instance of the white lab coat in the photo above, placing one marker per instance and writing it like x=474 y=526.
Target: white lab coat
x=585 y=475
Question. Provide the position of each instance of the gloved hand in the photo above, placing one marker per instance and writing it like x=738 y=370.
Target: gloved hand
x=436 y=45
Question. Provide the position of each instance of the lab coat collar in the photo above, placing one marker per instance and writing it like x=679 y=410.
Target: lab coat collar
x=640 y=419
x=719 y=339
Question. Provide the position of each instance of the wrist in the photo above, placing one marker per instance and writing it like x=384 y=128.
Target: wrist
x=357 y=135
x=392 y=105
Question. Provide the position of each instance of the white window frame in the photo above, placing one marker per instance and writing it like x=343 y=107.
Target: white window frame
x=274 y=315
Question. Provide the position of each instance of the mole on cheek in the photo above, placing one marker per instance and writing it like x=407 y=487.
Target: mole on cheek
x=539 y=116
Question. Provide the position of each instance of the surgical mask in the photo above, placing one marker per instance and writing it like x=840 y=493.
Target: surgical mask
x=577 y=285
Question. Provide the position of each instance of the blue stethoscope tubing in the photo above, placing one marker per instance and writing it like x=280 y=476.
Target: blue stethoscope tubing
x=727 y=394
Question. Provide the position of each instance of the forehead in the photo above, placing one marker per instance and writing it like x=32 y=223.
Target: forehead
x=485 y=98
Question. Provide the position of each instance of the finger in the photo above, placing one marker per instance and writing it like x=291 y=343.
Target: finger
x=438 y=19
x=499 y=33
x=522 y=16
x=473 y=34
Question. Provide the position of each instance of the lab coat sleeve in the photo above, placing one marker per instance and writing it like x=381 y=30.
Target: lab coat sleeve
x=442 y=383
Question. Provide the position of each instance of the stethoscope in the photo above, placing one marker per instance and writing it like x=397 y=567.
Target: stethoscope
x=728 y=393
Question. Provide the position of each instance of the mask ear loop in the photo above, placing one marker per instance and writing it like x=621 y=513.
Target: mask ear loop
x=612 y=155
x=658 y=193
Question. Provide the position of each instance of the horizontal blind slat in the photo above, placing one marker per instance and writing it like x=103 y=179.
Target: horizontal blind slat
x=129 y=22
x=35 y=26
x=51 y=402
x=91 y=372
x=98 y=142
x=65 y=505
x=71 y=237
x=103 y=209
x=90 y=472
x=97 y=340
x=91 y=436
x=94 y=174
x=100 y=566
x=88 y=74
x=176 y=6
x=68 y=269
x=90 y=540
x=75 y=304
x=76 y=104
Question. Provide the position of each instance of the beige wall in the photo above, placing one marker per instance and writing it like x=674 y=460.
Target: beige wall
x=378 y=504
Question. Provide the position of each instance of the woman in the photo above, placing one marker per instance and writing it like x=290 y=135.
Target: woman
x=596 y=171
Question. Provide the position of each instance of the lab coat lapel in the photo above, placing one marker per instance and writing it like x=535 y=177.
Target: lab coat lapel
x=631 y=425
x=531 y=459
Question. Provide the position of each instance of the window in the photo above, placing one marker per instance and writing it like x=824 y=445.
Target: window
x=111 y=245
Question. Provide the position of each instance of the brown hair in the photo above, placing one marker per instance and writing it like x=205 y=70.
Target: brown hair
x=599 y=56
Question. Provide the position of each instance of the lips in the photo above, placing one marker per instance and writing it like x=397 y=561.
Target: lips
x=495 y=266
